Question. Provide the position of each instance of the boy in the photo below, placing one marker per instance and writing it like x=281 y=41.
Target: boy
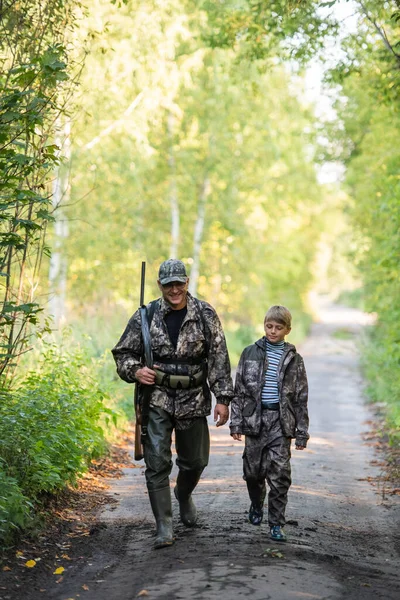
x=270 y=408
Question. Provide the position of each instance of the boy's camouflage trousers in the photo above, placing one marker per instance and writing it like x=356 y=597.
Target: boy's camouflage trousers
x=267 y=457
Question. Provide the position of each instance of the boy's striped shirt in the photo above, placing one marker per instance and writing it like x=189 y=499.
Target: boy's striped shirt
x=270 y=391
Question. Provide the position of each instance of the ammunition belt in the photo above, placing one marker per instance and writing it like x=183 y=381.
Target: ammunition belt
x=180 y=382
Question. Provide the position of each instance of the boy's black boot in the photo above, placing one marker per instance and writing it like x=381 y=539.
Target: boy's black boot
x=185 y=484
x=256 y=514
x=257 y=492
x=160 y=501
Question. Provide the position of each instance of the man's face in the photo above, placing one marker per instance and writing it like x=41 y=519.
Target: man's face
x=174 y=293
x=275 y=332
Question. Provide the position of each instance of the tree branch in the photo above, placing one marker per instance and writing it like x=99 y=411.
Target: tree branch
x=115 y=124
x=381 y=32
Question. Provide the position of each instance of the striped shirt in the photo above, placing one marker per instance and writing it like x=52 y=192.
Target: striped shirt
x=270 y=391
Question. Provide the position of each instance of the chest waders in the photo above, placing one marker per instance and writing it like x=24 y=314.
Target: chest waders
x=188 y=477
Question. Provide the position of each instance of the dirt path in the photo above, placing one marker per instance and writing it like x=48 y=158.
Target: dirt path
x=344 y=535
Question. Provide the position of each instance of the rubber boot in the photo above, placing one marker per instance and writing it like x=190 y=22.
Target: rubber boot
x=160 y=501
x=185 y=484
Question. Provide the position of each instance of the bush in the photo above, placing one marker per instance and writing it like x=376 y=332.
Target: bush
x=49 y=432
x=15 y=508
x=380 y=362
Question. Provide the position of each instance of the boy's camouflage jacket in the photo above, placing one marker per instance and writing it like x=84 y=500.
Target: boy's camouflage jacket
x=293 y=391
x=191 y=344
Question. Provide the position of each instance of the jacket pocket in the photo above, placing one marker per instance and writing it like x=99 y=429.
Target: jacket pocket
x=249 y=407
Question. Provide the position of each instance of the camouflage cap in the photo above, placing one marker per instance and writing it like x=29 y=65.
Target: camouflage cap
x=172 y=270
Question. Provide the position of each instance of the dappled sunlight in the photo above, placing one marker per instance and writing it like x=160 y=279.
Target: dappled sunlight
x=320 y=441
x=303 y=595
x=327 y=312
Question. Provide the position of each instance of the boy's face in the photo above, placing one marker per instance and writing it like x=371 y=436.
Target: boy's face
x=275 y=332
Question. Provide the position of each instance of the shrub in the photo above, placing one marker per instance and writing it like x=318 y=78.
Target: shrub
x=49 y=431
x=380 y=361
x=15 y=508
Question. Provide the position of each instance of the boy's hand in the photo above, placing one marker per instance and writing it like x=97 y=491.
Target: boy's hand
x=237 y=436
x=221 y=414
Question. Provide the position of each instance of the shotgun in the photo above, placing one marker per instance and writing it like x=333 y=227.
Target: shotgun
x=143 y=392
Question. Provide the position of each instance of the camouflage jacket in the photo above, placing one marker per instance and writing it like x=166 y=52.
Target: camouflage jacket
x=293 y=392
x=188 y=403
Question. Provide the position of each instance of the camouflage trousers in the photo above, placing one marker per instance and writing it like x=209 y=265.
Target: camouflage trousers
x=192 y=445
x=267 y=457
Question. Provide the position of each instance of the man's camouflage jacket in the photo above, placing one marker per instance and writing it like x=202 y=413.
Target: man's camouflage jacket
x=293 y=392
x=182 y=403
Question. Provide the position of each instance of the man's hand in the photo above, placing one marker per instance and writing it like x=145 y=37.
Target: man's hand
x=237 y=436
x=145 y=376
x=300 y=448
x=221 y=414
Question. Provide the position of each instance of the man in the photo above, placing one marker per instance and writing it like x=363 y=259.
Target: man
x=190 y=357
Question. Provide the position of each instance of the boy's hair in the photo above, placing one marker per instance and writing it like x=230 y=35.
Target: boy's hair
x=280 y=314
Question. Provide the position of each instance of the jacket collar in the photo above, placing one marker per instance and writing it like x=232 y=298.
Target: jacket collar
x=287 y=347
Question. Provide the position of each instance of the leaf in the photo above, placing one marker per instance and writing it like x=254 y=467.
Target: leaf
x=328 y=4
x=6 y=568
x=143 y=593
x=273 y=553
x=58 y=571
x=30 y=564
x=85 y=587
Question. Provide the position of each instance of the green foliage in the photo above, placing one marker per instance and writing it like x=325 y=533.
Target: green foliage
x=380 y=361
x=15 y=508
x=50 y=428
x=369 y=113
x=201 y=121
x=260 y=29
x=353 y=298
x=33 y=72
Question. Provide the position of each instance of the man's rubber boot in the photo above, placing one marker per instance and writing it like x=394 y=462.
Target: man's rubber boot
x=185 y=484
x=160 y=501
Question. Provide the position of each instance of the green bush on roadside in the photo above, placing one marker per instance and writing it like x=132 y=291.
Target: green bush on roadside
x=49 y=432
x=15 y=508
x=380 y=361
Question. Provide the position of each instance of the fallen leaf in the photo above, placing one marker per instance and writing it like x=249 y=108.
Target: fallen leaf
x=143 y=593
x=59 y=580
x=6 y=568
x=366 y=584
x=273 y=552
x=65 y=556
x=85 y=587
x=30 y=564
x=58 y=571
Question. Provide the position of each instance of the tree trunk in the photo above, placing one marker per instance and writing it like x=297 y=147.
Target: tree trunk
x=173 y=193
x=58 y=260
x=198 y=235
